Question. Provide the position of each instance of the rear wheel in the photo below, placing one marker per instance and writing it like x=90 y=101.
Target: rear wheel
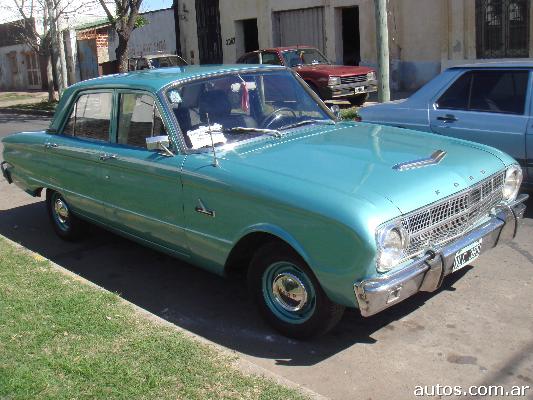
x=288 y=295
x=66 y=225
x=358 y=100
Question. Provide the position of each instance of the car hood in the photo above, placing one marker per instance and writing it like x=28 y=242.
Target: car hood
x=335 y=70
x=358 y=159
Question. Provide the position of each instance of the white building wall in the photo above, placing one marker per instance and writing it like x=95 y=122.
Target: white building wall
x=159 y=35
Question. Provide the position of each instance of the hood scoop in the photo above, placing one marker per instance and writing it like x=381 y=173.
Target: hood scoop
x=433 y=159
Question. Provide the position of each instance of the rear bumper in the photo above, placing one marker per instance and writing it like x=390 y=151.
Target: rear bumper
x=425 y=274
x=4 y=166
x=348 y=90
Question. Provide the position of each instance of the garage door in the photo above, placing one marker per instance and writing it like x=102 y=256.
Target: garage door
x=302 y=26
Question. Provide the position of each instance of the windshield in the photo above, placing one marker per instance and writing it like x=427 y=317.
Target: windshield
x=297 y=57
x=167 y=61
x=241 y=107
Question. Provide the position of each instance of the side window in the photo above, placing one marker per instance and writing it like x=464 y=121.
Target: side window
x=456 y=97
x=138 y=119
x=142 y=63
x=499 y=91
x=271 y=58
x=251 y=59
x=90 y=118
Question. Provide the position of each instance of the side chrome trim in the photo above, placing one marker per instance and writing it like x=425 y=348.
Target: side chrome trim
x=426 y=272
x=434 y=159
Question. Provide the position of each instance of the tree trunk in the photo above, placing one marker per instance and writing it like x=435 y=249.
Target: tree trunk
x=122 y=53
x=50 y=79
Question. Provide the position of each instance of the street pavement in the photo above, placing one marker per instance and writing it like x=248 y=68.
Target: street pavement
x=476 y=330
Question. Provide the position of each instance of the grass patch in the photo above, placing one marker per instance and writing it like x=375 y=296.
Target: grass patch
x=62 y=339
x=41 y=106
x=349 y=113
x=14 y=96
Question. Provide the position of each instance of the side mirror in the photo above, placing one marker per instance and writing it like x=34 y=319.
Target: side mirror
x=159 y=143
x=336 y=110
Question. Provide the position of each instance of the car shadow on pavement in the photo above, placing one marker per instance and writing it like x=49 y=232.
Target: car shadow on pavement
x=211 y=306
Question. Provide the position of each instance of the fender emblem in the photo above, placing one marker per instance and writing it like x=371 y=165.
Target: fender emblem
x=434 y=159
x=202 y=209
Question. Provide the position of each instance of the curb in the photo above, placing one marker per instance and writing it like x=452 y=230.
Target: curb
x=245 y=366
x=26 y=112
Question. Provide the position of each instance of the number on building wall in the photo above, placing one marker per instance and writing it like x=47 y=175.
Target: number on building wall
x=230 y=41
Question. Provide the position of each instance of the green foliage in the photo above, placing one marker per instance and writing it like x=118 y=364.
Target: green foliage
x=140 y=21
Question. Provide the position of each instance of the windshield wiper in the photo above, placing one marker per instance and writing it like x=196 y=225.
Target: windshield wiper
x=307 y=122
x=242 y=129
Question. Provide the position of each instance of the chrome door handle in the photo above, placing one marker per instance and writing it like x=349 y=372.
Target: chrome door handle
x=447 y=118
x=49 y=145
x=107 y=156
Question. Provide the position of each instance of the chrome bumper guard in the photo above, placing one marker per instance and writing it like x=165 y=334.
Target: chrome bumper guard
x=426 y=273
x=5 y=171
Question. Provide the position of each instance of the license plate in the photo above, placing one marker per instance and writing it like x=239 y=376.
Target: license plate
x=466 y=255
x=359 y=89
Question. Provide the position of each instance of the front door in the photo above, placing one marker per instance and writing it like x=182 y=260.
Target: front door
x=143 y=187
x=486 y=106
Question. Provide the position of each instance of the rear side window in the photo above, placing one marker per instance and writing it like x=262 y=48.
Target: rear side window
x=250 y=59
x=487 y=91
x=138 y=119
x=91 y=116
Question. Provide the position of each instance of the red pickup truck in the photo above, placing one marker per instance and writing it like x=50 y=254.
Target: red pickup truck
x=331 y=82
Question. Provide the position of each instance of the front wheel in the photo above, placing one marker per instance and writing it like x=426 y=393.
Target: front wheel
x=66 y=225
x=288 y=295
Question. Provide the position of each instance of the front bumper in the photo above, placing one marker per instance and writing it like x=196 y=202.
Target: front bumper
x=348 y=90
x=425 y=274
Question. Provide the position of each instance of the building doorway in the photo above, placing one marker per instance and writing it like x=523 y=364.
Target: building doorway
x=351 y=44
x=208 y=28
x=251 y=39
x=299 y=27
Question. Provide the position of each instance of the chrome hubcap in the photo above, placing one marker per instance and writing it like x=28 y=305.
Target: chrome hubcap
x=61 y=210
x=289 y=292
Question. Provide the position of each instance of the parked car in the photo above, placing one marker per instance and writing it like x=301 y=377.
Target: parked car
x=240 y=168
x=152 y=61
x=330 y=82
x=487 y=103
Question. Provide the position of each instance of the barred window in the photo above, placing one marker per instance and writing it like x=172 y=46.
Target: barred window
x=502 y=28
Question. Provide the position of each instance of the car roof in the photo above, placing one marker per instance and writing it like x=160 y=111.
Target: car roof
x=152 y=80
x=285 y=48
x=496 y=64
x=156 y=79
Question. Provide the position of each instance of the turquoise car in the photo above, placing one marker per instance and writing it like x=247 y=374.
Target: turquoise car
x=244 y=169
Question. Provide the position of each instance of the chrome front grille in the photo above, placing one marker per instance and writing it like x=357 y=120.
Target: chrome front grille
x=441 y=222
x=353 y=79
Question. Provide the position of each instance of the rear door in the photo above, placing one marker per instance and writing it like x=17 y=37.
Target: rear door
x=486 y=106
x=143 y=193
x=74 y=153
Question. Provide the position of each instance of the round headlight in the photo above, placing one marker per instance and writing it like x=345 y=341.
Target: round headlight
x=513 y=180
x=392 y=241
